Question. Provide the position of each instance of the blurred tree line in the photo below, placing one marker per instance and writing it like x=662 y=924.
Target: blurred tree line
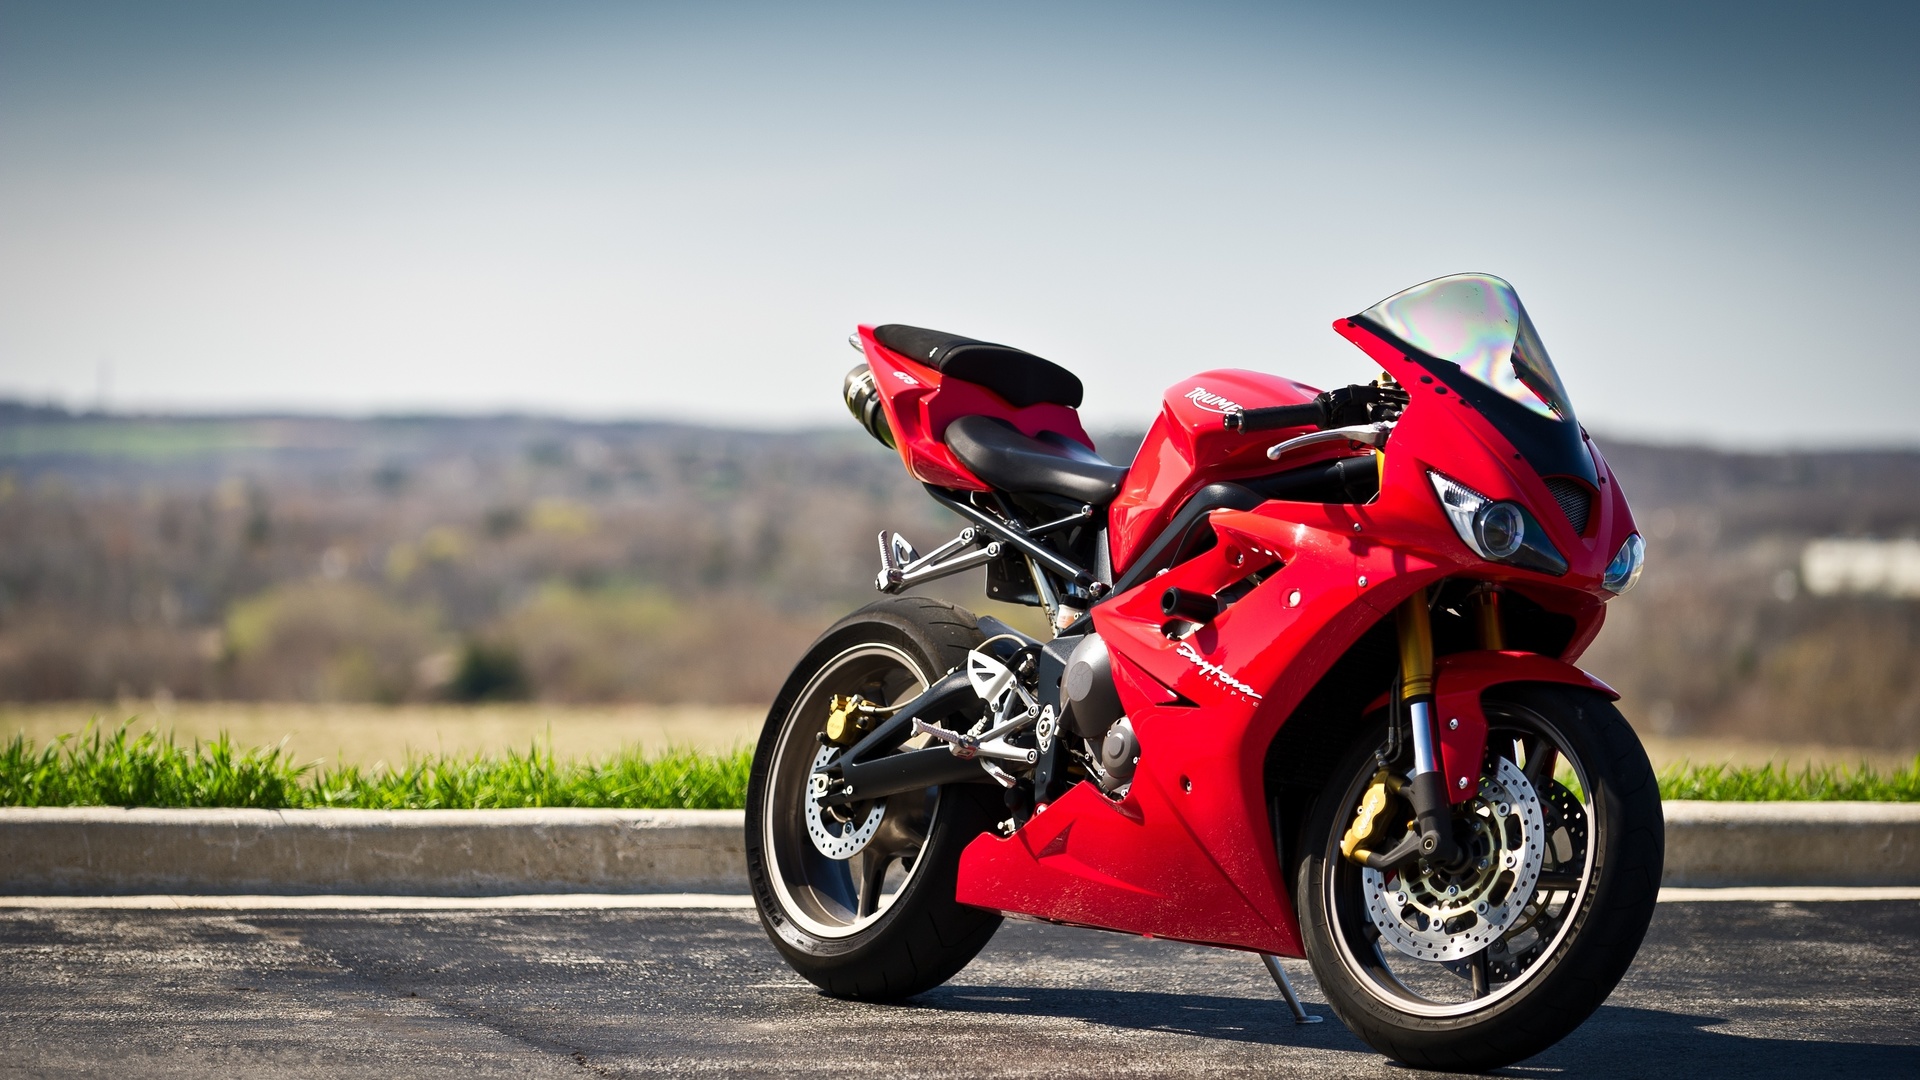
x=1721 y=636
x=409 y=559
x=403 y=559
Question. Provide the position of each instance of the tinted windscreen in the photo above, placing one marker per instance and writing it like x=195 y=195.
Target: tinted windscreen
x=1475 y=322
x=1470 y=331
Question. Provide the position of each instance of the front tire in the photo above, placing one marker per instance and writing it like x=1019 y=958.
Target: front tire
x=1438 y=987
x=880 y=923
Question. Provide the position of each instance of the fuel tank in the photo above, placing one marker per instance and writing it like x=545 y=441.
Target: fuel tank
x=1189 y=447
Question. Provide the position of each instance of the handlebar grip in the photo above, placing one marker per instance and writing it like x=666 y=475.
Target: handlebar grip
x=1248 y=421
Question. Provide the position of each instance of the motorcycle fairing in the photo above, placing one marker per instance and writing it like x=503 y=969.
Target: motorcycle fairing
x=1189 y=853
x=921 y=402
x=1471 y=332
x=1135 y=866
x=1178 y=858
x=1187 y=448
x=1437 y=418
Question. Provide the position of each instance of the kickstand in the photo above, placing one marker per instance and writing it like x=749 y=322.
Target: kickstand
x=1300 y=1014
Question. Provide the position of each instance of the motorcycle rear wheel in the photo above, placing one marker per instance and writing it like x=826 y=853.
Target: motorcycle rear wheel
x=880 y=922
x=1546 y=972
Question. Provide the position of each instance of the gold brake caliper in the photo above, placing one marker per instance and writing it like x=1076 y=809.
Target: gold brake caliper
x=848 y=718
x=1371 y=821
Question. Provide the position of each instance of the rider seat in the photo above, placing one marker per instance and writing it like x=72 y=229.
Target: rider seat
x=1021 y=378
x=1049 y=464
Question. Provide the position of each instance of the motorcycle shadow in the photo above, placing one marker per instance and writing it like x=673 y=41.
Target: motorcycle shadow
x=1622 y=1040
x=1616 y=1041
x=1215 y=1016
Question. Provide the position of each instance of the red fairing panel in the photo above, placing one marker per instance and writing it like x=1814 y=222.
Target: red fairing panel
x=1187 y=448
x=920 y=403
x=1189 y=853
x=1181 y=856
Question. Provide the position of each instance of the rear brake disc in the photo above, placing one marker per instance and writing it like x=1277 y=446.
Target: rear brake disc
x=833 y=837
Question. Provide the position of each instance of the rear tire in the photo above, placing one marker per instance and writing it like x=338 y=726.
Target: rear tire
x=1544 y=973
x=851 y=927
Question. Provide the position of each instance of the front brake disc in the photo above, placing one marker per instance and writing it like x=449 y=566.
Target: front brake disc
x=1434 y=914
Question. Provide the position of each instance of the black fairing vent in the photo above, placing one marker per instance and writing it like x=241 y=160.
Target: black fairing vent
x=1574 y=499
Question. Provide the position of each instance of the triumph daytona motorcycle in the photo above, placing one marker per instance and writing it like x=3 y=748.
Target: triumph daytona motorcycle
x=1308 y=690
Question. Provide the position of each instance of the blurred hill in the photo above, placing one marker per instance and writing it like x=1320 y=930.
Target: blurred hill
x=433 y=558
x=1721 y=636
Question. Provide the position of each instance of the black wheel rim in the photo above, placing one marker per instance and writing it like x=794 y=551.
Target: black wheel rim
x=1519 y=955
x=837 y=898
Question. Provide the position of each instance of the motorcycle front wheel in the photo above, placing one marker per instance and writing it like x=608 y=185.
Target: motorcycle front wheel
x=1499 y=956
x=860 y=900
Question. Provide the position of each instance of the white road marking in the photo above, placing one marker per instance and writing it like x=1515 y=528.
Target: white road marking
x=1792 y=893
x=524 y=902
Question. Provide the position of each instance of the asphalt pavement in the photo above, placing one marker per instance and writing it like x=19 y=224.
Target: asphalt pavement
x=1720 y=989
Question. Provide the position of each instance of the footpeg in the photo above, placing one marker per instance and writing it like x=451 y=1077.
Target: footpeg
x=896 y=553
x=902 y=566
x=991 y=745
x=961 y=746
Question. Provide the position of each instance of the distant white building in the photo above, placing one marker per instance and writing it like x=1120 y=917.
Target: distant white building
x=1887 y=567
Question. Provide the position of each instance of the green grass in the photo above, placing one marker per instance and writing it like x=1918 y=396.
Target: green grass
x=1770 y=783
x=98 y=768
x=120 y=768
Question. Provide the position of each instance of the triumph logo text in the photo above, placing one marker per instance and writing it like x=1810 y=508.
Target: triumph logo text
x=1210 y=401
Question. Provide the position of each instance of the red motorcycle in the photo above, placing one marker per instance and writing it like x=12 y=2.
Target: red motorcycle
x=1310 y=689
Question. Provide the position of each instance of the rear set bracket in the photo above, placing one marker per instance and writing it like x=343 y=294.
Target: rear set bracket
x=902 y=567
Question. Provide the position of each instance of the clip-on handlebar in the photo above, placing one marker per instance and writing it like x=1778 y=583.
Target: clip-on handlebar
x=1345 y=407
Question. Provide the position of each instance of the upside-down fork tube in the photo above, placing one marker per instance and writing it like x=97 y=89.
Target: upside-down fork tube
x=1432 y=811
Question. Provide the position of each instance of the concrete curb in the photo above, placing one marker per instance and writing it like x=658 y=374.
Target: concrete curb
x=109 y=851
x=103 y=850
x=1720 y=844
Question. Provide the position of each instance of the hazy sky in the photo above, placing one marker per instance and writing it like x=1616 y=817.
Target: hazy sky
x=681 y=210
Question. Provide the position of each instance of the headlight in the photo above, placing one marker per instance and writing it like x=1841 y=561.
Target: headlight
x=1625 y=568
x=1500 y=528
x=1501 y=532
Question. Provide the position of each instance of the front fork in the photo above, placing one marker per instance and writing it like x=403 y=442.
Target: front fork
x=1427 y=789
